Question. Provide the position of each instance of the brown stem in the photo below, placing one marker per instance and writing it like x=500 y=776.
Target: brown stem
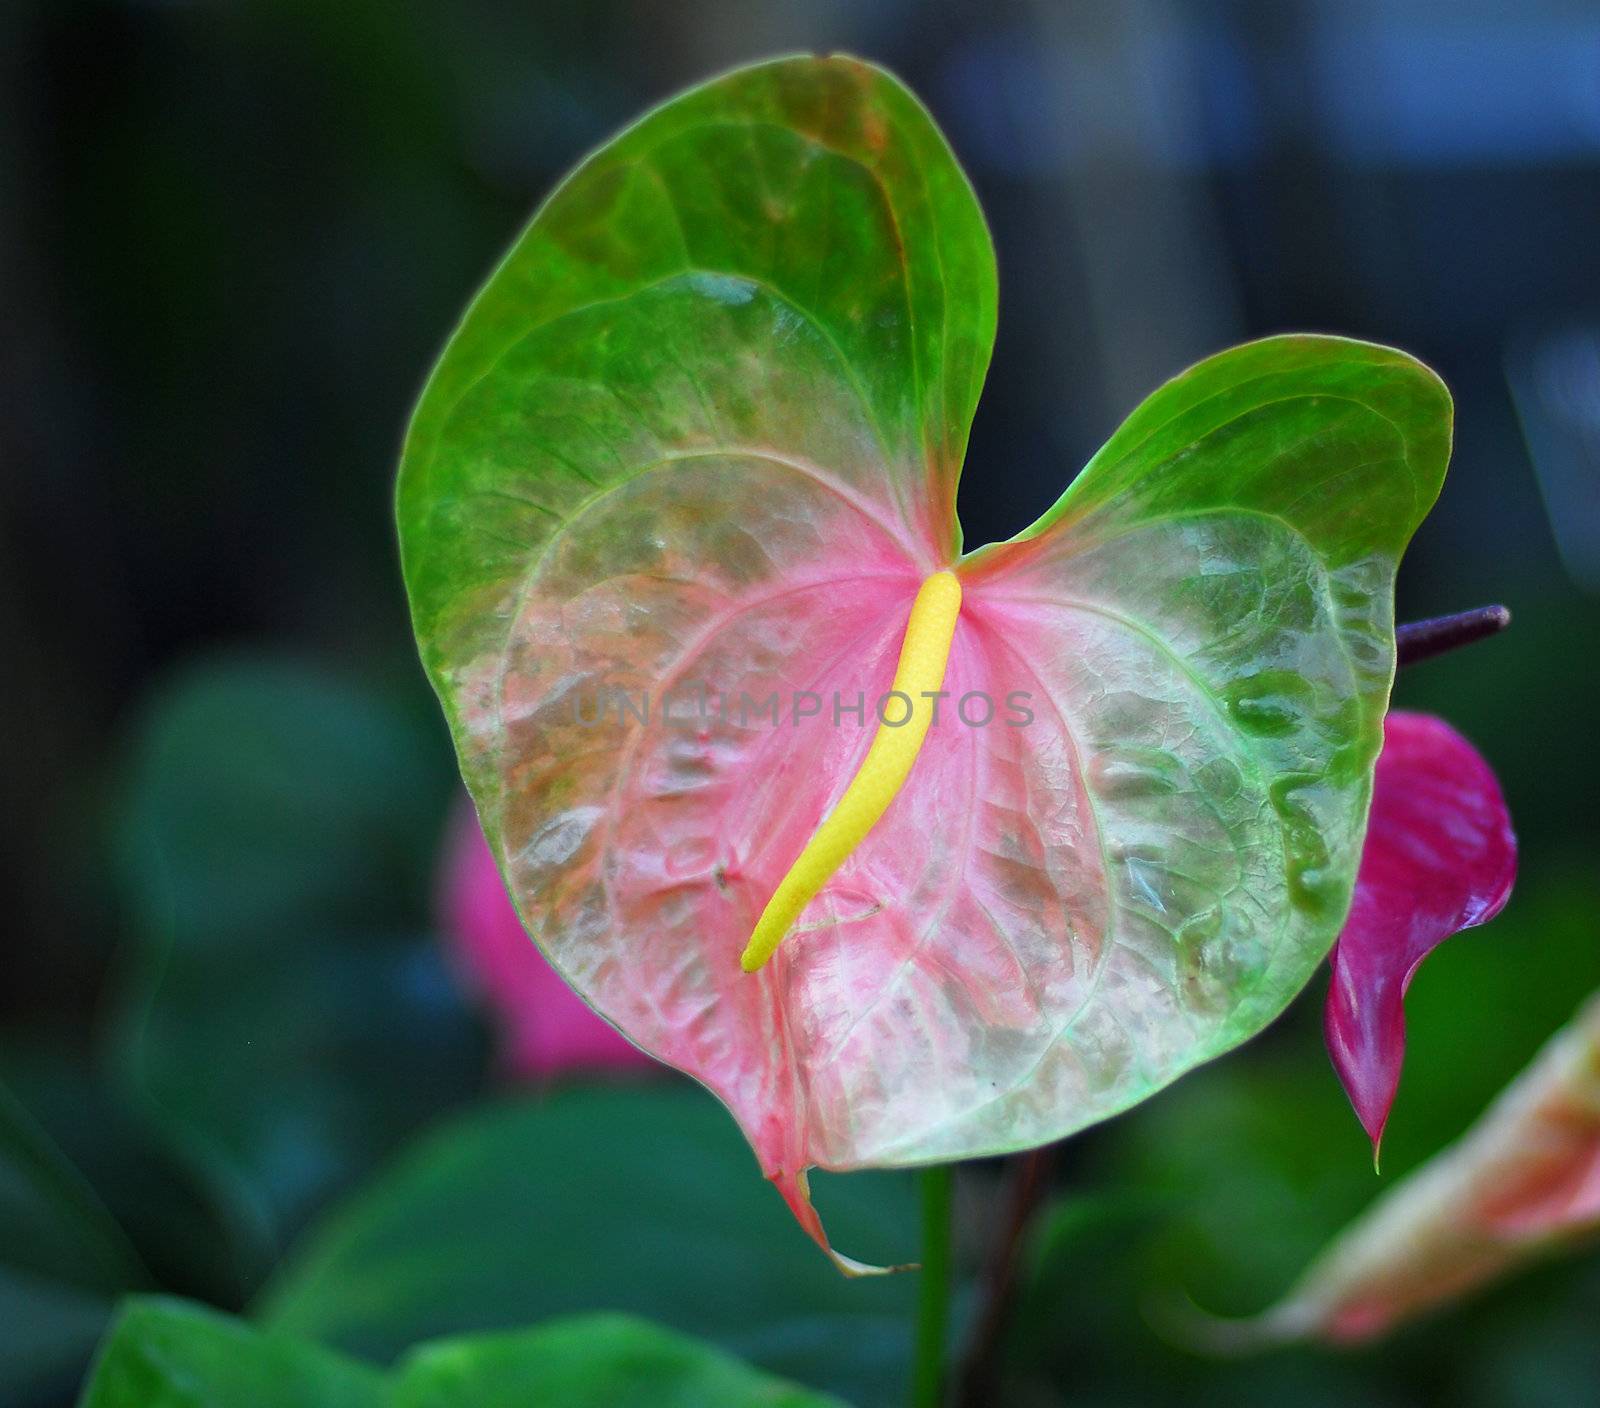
x=976 y=1377
x=1422 y=640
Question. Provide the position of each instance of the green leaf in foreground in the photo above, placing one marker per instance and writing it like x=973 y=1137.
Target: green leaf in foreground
x=611 y=1198
x=170 y=1354
x=589 y=1361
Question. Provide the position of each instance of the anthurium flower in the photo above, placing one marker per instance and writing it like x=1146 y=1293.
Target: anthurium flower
x=910 y=855
x=1439 y=857
x=1520 y=1184
x=548 y=1030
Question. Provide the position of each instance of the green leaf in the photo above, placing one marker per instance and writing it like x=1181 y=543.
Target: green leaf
x=169 y=1354
x=163 y=1353
x=290 y=1020
x=590 y=1361
x=635 y=1200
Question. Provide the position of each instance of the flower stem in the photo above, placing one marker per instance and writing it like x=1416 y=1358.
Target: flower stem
x=933 y=1296
x=1422 y=640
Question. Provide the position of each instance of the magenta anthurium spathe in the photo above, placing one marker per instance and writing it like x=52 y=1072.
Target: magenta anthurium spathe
x=546 y=1029
x=909 y=854
x=1440 y=856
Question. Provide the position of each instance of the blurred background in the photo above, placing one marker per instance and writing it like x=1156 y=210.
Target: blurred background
x=238 y=1062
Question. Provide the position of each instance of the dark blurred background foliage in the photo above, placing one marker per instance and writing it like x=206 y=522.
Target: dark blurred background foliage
x=233 y=235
